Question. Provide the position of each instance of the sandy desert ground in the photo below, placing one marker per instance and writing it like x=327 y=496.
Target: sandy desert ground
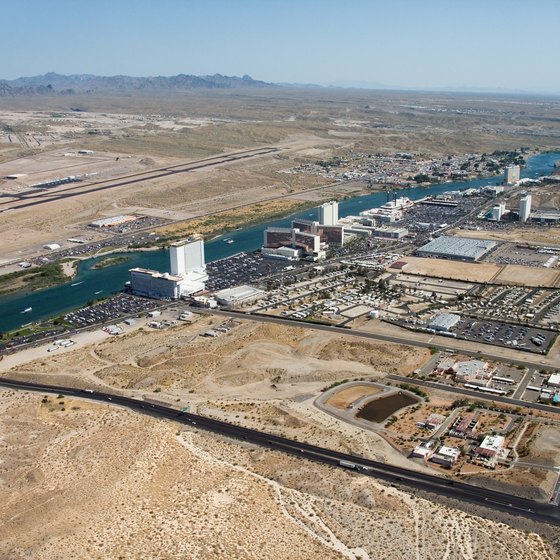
x=483 y=272
x=259 y=375
x=80 y=480
x=88 y=481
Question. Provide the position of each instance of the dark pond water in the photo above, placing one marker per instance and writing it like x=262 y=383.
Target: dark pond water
x=380 y=409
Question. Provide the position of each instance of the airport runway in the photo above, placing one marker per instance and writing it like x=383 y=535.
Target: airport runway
x=37 y=196
x=507 y=503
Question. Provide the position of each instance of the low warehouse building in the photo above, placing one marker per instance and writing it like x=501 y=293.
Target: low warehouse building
x=554 y=380
x=446 y=456
x=444 y=322
x=239 y=295
x=458 y=248
x=490 y=446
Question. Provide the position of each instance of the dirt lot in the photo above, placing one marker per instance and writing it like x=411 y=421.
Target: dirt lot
x=543 y=446
x=527 y=234
x=343 y=399
x=483 y=272
x=244 y=363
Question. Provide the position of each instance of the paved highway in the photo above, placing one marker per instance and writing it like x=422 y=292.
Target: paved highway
x=547 y=513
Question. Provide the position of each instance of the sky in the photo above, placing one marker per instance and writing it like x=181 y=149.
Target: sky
x=426 y=44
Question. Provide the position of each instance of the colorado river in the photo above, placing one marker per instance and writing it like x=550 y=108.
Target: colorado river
x=91 y=283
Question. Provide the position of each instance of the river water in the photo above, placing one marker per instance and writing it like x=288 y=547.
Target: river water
x=91 y=283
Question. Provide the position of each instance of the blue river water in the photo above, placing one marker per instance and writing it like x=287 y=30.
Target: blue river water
x=90 y=283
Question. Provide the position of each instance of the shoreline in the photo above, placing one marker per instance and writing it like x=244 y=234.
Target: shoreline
x=262 y=220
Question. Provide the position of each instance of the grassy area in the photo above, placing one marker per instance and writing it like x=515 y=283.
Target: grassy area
x=110 y=261
x=227 y=221
x=32 y=279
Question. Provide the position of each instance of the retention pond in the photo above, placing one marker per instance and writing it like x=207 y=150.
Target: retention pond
x=380 y=409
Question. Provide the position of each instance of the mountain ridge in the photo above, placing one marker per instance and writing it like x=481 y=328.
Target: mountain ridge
x=53 y=83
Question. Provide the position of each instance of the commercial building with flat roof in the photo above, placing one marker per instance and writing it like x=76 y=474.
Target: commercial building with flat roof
x=490 y=446
x=308 y=243
x=443 y=322
x=433 y=421
x=390 y=232
x=473 y=371
x=239 y=295
x=286 y=253
x=545 y=216
x=115 y=221
x=154 y=284
x=328 y=234
x=464 y=427
x=446 y=456
x=458 y=248
x=554 y=380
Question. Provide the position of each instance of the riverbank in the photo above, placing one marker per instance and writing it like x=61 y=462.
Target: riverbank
x=34 y=279
x=222 y=223
x=108 y=261
x=90 y=283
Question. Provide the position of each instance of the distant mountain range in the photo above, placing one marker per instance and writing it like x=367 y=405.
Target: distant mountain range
x=60 y=84
x=52 y=83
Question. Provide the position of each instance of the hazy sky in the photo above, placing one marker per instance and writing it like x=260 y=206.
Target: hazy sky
x=497 y=44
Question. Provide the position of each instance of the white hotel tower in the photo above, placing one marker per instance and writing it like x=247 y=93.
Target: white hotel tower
x=188 y=273
x=524 y=207
x=328 y=214
x=187 y=256
x=513 y=174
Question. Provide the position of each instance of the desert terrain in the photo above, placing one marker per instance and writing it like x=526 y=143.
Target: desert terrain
x=91 y=481
x=260 y=376
x=87 y=481
x=131 y=135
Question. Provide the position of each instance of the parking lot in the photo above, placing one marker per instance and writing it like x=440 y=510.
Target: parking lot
x=245 y=268
x=504 y=334
x=110 y=310
x=425 y=218
x=511 y=253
